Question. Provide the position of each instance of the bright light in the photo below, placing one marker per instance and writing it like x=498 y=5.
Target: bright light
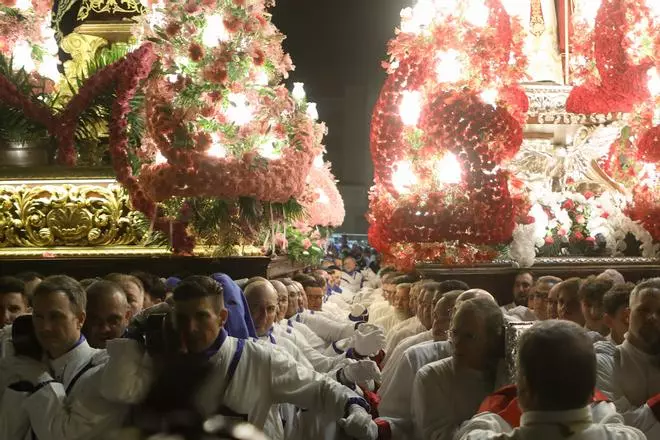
x=449 y=67
x=648 y=175
x=22 y=56
x=267 y=150
x=318 y=161
x=410 y=107
x=323 y=197
x=312 y=111
x=159 y=159
x=23 y=5
x=262 y=78
x=403 y=177
x=172 y=78
x=654 y=82
x=48 y=68
x=216 y=150
x=587 y=11
x=541 y=220
x=476 y=12
x=448 y=170
x=214 y=31
x=298 y=92
x=489 y=96
x=654 y=6
x=238 y=112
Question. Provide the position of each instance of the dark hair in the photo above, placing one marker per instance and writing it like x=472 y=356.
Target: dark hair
x=86 y=282
x=12 y=285
x=557 y=362
x=571 y=285
x=71 y=288
x=310 y=281
x=122 y=277
x=525 y=272
x=449 y=285
x=28 y=276
x=593 y=289
x=618 y=296
x=332 y=268
x=407 y=278
x=346 y=257
x=153 y=285
x=103 y=287
x=199 y=286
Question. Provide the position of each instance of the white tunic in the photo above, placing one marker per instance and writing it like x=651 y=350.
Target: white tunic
x=537 y=425
x=393 y=358
x=326 y=328
x=405 y=329
x=351 y=281
x=55 y=414
x=320 y=362
x=629 y=377
x=262 y=377
x=306 y=332
x=444 y=396
x=395 y=405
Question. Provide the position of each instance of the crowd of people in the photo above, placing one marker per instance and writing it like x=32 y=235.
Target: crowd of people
x=347 y=350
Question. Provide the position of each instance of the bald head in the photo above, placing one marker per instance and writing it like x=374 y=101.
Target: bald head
x=262 y=300
x=474 y=294
x=282 y=299
x=556 y=367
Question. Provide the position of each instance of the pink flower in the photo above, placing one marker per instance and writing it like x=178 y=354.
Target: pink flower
x=306 y=243
x=580 y=219
x=578 y=235
x=562 y=232
x=549 y=239
x=591 y=240
x=568 y=205
x=605 y=215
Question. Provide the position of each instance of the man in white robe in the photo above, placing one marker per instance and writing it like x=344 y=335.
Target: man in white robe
x=421 y=300
x=630 y=374
x=555 y=379
x=450 y=391
x=401 y=309
x=246 y=378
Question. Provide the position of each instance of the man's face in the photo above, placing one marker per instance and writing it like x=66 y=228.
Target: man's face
x=619 y=322
x=441 y=319
x=293 y=306
x=645 y=318
x=568 y=307
x=469 y=340
x=521 y=286
x=402 y=300
x=134 y=296
x=349 y=264
x=552 y=303
x=593 y=314
x=150 y=301
x=538 y=299
x=425 y=307
x=198 y=323
x=56 y=325
x=314 y=298
x=335 y=278
x=12 y=305
x=282 y=302
x=107 y=318
x=263 y=308
x=389 y=292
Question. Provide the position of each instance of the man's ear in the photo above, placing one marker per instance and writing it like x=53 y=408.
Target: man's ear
x=626 y=316
x=223 y=315
x=81 y=319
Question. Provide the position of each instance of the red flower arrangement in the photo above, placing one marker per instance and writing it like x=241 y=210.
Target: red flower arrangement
x=451 y=100
x=619 y=80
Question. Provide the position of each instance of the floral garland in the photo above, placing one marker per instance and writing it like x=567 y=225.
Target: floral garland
x=449 y=114
x=321 y=200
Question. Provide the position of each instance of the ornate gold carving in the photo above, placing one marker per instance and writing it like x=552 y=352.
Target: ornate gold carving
x=82 y=48
x=109 y=7
x=65 y=215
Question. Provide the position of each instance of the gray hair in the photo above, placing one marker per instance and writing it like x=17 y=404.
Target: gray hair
x=651 y=283
x=486 y=309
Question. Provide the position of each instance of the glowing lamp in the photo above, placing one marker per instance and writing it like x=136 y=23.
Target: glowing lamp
x=448 y=66
x=238 y=112
x=312 y=111
x=22 y=56
x=477 y=13
x=159 y=158
x=654 y=82
x=217 y=151
x=403 y=177
x=298 y=92
x=214 y=31
x=489 y=96
x=654 y=7
x=410 y=107
x=448 y=170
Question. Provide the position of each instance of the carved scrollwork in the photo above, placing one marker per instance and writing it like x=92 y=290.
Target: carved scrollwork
x=109 y=7
x=65 y=215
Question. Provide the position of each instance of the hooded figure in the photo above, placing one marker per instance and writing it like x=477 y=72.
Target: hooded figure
x=239 y=323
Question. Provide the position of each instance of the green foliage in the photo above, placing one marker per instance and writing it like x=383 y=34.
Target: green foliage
x=302 y=248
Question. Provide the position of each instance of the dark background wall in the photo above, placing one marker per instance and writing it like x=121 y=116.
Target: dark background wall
x=337 y=47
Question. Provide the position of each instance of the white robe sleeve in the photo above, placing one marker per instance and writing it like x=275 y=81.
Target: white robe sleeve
x=127 y=376
x=84 y=415
x=305 y=388
x=432 y=407
x=14 y=420
x=328 y=330
x=483 y=426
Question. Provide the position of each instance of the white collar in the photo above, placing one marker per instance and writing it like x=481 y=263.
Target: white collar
x=576 y=419
x=65 y=367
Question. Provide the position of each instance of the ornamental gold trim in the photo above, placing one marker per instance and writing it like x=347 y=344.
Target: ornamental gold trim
x=109 y=7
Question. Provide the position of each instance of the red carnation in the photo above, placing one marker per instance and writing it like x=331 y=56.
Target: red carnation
x=605 y=215
x=591 y=240
x=588 y=195
x=232 y=24
x=259 y=57
x=215 y=75
x=191 y=7
x=172 y=29
x=578 y=235
x=549 y=240
x=196 y=52
x=568 y=204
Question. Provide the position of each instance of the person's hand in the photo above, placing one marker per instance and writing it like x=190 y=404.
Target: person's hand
x=605 y=413
x=22 y=368
x=368 y=340
x=358 y=424
x=362 y=372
